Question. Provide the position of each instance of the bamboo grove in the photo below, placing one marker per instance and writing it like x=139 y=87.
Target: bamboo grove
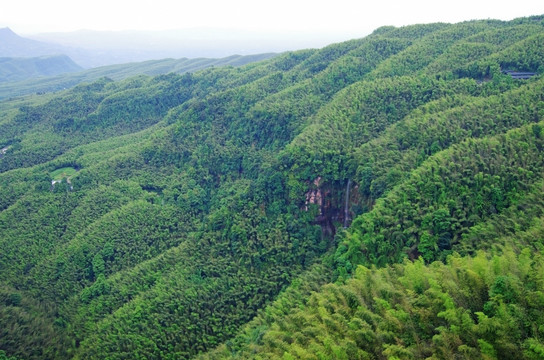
x=380 y=198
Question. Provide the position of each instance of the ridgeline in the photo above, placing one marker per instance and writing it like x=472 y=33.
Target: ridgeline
x=380 y=198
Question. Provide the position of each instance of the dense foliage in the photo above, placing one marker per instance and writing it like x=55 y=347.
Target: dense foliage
x=377 y=198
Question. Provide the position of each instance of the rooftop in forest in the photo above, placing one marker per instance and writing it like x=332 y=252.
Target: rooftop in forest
x=519 y=74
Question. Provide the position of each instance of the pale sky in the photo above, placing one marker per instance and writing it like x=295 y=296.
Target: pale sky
x=347 y=18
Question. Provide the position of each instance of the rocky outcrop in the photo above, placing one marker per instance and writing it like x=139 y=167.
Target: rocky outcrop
x=333 y=202
x=315 y=195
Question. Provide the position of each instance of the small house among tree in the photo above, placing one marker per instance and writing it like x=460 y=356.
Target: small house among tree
x=3 y=151
x=519 y=74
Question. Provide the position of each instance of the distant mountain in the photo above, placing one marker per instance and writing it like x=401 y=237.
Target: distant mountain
x=115 y=47
x=17 y=69
x=118 y=72
x=92 y=49
x=13 y=45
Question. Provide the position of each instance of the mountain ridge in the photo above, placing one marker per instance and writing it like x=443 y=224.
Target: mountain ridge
x=18 y=69
x=13 y=45
x=121 y=71
x=120 y=51
x=376 y=198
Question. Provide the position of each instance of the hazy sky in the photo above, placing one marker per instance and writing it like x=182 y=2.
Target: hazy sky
x=342 y=17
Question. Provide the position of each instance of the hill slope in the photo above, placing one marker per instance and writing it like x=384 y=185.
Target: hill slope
x=17 y=69
x=377 y=198
x=122 y=71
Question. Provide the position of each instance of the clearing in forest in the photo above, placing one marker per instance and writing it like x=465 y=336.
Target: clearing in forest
x=62 y=173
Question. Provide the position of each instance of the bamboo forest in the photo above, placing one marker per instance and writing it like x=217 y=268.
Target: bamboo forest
x=378 y=198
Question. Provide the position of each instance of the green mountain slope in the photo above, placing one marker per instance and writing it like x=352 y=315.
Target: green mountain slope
x=53 y=82
x=377 y=198
x=17 y=69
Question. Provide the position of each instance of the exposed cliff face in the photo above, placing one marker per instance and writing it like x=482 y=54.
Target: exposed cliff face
x=315 y=195
x=333 y=201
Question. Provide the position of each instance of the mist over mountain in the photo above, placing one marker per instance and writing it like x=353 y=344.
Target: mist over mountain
x=17 y=69
x=21 y=78
x=36 y=68
x=13 y=45
x=92 y=49
x=109 y=47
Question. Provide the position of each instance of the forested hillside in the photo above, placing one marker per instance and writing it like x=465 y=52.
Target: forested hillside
x=15 y=86
x=17 y=69
x=381 y=198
